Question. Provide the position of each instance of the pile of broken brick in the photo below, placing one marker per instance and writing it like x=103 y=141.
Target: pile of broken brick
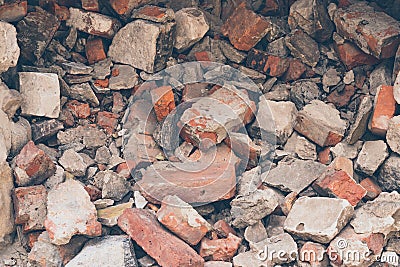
x=296 y=161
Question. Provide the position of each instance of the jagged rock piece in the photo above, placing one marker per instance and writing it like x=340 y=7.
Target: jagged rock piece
x=9 y=49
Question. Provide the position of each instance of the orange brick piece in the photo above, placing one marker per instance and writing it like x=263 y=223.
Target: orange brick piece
x=385 y=107
x=244 y=28
x=373 y=189
x=352 y=56
x=341 y=185
x=167 y=249
x=163 y=101
x=95 y=50
x=220 y=249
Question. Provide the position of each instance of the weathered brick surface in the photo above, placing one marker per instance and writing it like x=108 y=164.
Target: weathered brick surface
x=352 y=56
x=95 y=50
x=268 y=64
x=375 y=32
x=245 y=28
x=33 y=166
x=220 y=249
x=163 y=101
x=384 y=109
x=165 y=248
x=373 y=189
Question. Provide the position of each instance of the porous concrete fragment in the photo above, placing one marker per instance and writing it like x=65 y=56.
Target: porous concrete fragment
x=388 y=177
x=62 y=221
x=371 y=157
x=9 y=49
x=40 y=94
x=308 y=225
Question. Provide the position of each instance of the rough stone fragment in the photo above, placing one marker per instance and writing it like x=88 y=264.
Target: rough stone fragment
x=182 y=219
x=305 y=149
x=76 y=68
x=73 y=163
x=388 y=177
x=12 y=12
x=165 y=248
x=312 y=17
x=244 y=148
x=62 y=221
x=125 y=77
x=248 y=210
x=378 y=215
x=225 y=110
x=373 y=189
x=371 y=157
x=381 y=75
x=30 y=207
x=154 y=41
x=223 y=229
x=283 y=244
x=293 y=176
x=35 y=32
x=192 y=183
x=303 y=47
x=109 y=215
x=107 y=120
x=303 y=92
x=303 y=223
x=340 y=184
x=83 y=92
x=10 y=101
x=108 y=251
x=231 y=53
x=191 y=26
x=45 y=129
x=33 y=166
x=375 y=32
x=40 y=94
x=9 y=48
x=93 y=23
x=112 y=185
x=341 y=98
x=248 y=259
x=255 y=233
x=44 y=253
x=244 y=28
x=21 y=134
x=6 y=205
x=393 y=134
x=331 y=78
x=90 y=5
x=345 y=150
x=90 y=137
x=220 y=249
x=217 y=264
x=358 y=128
x=321 y=123
x=269 y=64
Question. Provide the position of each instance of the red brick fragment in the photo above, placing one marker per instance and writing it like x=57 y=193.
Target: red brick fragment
x=352 y=56
x=342 y=98
x=295 y=70
x=78 y=109
x=12 y=12
x=95 y=50
x=33 y=166
x=268 y=64
x=373 y=189
x=244 y=28
x=384 y=109
x=341 y=185
x=107 y=120
x=61 y=12
x=223 y=228
x=220 y=249
x=93 y=191
x=90 y=5
x=163 y=101
x=168 y=250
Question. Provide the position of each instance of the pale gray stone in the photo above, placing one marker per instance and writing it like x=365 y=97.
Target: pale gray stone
x=382 y=74
x=21 y=134
x=70 y=212
x=379 y=215
x=255 y=233
x=293 y=176
x=249 y=259
x=345 y=150
x=73 y=163
x=191 y=26
x=304 y=219
x=108 y=251
x=305 y=149
x=371 y=157
x=389 y=178
x=143 y=44
x=76 y=68
x=248 y=210
x=112 y=185
x=127 y=78
x=275 y=225
x=318 y=121
x=10 y=100
x=393 y=134
x=358 y=128
x=83 y=92
x=40 y=94
x=331 y=78
x=5 y=136
x=6 y=205
x=249 y=181
x=9 y=49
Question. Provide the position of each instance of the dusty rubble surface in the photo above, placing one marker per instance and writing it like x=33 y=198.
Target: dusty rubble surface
x=217 y=133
